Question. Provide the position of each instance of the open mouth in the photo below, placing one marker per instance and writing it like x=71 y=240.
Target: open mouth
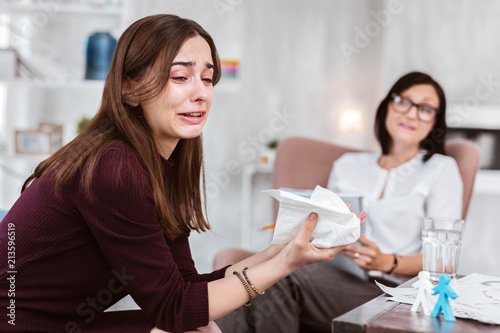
x=193 y=114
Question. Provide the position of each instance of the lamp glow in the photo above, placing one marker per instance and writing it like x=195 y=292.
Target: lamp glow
x=350 y=120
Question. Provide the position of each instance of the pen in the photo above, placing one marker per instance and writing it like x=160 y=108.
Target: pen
x=269 y=226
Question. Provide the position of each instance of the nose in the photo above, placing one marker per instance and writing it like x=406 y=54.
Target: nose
x=410 y=112
x=200 y=91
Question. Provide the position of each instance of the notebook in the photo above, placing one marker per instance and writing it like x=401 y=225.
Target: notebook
x=341 y=261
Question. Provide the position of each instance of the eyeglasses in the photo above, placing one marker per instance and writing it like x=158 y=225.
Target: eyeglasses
x=425 y=112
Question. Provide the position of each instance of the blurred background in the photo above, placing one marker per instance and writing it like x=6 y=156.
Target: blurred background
x=314 y=68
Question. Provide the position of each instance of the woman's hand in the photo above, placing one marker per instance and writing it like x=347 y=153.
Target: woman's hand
x=300 y=252
x=368 y=256
x=361 y=216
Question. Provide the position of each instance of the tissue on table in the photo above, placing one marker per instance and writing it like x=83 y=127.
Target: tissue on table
x=336 y=224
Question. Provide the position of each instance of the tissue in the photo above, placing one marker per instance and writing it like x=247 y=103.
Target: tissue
x=336 y=224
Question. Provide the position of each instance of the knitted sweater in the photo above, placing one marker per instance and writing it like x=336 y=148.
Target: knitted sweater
x=71 y=258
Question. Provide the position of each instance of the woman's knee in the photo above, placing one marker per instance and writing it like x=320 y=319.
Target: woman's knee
x=210 y=328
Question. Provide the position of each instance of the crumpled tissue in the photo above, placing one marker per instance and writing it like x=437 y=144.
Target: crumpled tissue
x=336 y=226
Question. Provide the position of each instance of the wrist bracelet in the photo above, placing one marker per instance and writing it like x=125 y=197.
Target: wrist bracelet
x=244 y=271
x=394 y=265
x=246 y=287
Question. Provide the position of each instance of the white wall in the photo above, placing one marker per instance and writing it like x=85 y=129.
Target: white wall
x=292 y=61
x=455 y=41
x=292 y=65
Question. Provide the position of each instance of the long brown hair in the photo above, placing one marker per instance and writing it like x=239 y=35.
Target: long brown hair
x=140 y=71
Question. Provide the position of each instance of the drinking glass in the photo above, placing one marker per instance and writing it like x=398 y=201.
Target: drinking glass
x=442 y=238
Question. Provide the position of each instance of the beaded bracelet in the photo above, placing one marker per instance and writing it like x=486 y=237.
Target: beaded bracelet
x=246 y=287
x=250 y=283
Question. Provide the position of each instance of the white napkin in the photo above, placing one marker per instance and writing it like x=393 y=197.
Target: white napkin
x=336 y=224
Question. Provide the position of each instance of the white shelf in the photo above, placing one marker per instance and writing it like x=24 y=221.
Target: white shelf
x=68 y=9
x=487 y=182
x=24 y=157
x=249 y=171
x=72 y=84
x=57 y=84
x=486 y=117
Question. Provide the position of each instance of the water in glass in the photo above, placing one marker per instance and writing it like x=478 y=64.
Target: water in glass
x=441 y=251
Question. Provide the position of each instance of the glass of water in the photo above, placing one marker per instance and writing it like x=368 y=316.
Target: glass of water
x=442 y=238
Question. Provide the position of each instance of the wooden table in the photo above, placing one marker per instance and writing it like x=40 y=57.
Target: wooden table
x=383 y=316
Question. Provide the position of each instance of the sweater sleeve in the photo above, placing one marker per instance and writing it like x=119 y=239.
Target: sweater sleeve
x=123 y=221
x=182 y=256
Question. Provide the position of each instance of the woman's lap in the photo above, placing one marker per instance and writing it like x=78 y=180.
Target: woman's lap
x=134 y=321
x=306 y=300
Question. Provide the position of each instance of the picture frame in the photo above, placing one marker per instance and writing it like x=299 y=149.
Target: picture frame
x=33 y=142
x=56 y=131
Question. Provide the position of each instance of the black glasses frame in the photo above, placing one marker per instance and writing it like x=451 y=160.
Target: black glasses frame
x=419 y=107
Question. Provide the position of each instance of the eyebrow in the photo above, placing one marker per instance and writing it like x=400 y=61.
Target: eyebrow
x=190 y=64
x=426 y=99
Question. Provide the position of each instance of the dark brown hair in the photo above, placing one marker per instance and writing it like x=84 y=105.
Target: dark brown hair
x=140 y=71
x=434 y=142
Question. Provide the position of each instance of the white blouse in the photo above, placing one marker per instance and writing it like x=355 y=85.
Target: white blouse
x=413 y=190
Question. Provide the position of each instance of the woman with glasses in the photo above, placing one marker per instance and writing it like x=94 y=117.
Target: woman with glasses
x=411 y=177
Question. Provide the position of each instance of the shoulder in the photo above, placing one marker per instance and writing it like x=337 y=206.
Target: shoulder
x=118 y=155
x=119 y=165
x=120 y=151
x=442 y=168
x=441 y=161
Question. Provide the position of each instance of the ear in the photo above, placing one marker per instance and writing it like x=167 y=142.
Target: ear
x=127 y=93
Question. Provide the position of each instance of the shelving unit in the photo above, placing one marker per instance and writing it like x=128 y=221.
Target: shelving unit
x=68 y=85
x=480 y=124
x=59 y=31
x=247 y=227
x=487 y=182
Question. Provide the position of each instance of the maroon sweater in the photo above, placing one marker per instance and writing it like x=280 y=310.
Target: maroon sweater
x=76 y=257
